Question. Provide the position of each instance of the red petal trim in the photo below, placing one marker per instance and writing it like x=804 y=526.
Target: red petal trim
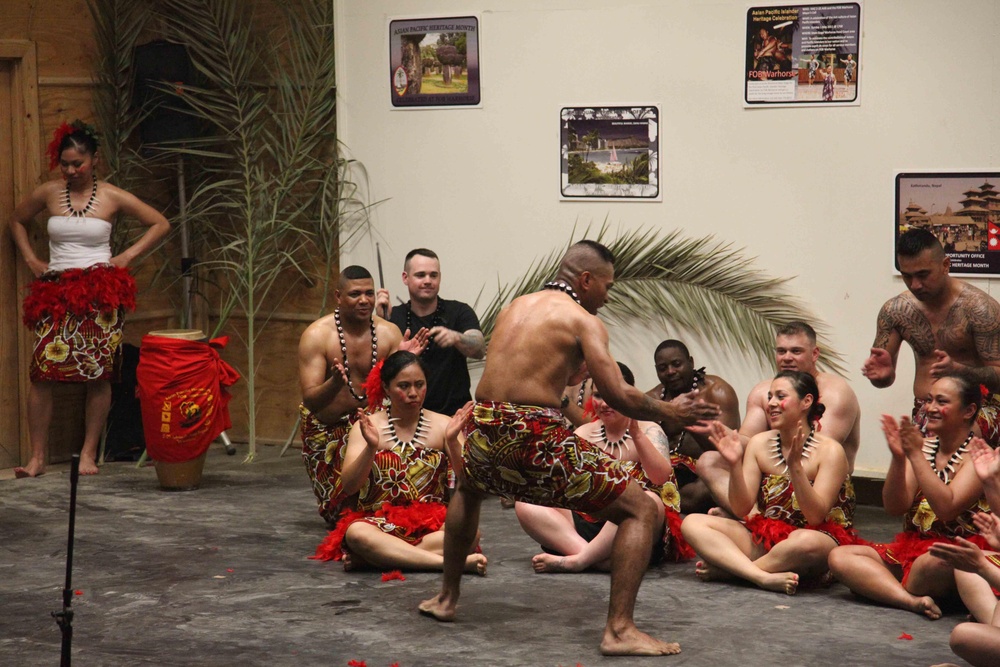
x=330 y=547
x=102 y=287
x=393 y=574
x=373 y=387
x=680 y=549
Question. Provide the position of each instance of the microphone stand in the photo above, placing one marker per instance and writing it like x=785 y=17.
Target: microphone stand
x=64 y=618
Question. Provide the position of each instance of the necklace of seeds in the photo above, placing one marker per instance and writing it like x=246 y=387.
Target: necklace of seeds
x=343 y=350
x=930 y=449
x=561 y=286
x=83 y=212
x=696 y=382
x=617 y=447
x=390 y=431
x=580 y=395
x=780 y=458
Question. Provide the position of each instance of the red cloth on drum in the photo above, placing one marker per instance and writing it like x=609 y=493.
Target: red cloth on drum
x=182 y=391
x=77 y=318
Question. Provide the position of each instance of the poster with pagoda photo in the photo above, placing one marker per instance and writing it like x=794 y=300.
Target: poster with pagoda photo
x=962 y=209
x=434 y=62
x=610 y=152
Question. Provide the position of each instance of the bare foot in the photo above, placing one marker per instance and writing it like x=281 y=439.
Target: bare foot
x=634 y=642
x=925 y=605
x=476 y=564
x=88 y=466
x=780 y=582
x=438 y=609
x=552 y=564
x=33 y=469
x=348 y=562
x=707 y=572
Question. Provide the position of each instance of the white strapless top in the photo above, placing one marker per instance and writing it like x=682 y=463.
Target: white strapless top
x=76 y=243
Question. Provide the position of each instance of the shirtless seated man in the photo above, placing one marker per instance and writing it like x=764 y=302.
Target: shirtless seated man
x=949 y=324
x=678 y=376
x=795 y=350
x=336 y=354
x=518 y=444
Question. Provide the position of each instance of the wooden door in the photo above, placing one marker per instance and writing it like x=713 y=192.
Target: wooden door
x=10 y=395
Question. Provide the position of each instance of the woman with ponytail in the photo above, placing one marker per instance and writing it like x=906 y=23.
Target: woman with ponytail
x=796 y=479
x=77 y=302
x=397 y=466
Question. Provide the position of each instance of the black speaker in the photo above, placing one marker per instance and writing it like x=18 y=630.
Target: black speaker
x=125 y=439
x=161 y=63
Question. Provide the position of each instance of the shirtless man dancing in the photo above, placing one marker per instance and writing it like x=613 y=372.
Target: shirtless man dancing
x=336 y=353
x=949 y=324
x=518 y=445
x=794 y=350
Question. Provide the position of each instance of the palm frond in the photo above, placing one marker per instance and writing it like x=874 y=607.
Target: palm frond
x=702 y=287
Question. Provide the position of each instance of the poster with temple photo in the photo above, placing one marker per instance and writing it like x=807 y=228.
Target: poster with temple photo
x=801 y=55
x=434 y=62
x=610 y=152
x=962 y=209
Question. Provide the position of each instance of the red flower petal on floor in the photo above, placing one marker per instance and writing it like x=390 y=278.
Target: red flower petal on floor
x=904 y=636
x=229 y=569
x=77 y=592
x=394 y=574
x=356 y=663
x=395 y=664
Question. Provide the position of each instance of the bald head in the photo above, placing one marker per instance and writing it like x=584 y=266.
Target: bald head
x=585 y=256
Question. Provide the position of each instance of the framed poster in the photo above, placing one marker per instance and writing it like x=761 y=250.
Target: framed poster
x=434 y=62
x=610 y=152
x=803 y=55
x=962 y=209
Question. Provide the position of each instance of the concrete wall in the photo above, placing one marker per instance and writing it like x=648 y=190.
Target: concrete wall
x=808 y=191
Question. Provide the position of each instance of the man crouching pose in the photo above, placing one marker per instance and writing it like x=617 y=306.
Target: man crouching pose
x=518 y=445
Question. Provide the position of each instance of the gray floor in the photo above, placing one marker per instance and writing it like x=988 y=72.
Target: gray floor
x=220 y=576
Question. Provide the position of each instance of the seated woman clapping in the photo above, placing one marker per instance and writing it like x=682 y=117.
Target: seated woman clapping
x=977 y=572
x=804 y=498
x=575 y=542
x=930 y=485
x=397 y=462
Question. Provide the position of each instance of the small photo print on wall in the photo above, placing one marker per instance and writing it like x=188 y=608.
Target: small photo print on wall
x=434 y=62
x=610 y=152
x=962 y=209
x=803 y=55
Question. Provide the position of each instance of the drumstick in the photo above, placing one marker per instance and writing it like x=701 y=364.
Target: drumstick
x=381 y=280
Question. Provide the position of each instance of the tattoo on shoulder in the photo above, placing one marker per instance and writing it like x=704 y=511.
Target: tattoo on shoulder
x=902 y=315
x=982 y=314
x=659 y=439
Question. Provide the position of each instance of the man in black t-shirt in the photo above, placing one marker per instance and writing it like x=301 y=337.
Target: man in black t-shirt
x=454 y=331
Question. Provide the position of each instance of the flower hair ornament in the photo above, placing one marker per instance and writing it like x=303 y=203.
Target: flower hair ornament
x=61 y=133
x=984 y=391
x=373 y=387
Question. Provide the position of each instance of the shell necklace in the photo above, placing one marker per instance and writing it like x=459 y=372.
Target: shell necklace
x=930 y=450
x=390 y=431
x=617 y=447
x=776 y=454
x=89 y=208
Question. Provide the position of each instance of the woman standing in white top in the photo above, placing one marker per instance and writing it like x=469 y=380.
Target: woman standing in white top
x=76 y=303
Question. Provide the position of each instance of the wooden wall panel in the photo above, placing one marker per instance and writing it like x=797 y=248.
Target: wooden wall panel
x=62 y=32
